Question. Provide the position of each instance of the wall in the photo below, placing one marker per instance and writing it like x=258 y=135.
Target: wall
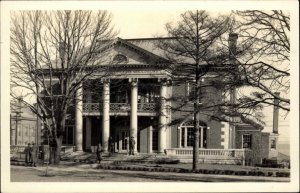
x=183 y=111
x=256 y=142
x=26 y=132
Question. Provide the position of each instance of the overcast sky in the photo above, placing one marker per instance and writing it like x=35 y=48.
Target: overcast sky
x=142 y=24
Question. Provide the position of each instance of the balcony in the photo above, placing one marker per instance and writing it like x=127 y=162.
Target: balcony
x=120 y=108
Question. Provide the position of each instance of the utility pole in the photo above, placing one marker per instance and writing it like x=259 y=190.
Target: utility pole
x=18 y=113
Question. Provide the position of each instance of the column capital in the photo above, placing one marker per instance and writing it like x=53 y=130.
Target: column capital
x=133 y=81
x=105 y=80
x=165 y=81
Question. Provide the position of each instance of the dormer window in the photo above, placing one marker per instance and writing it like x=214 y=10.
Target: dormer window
x=120 y=58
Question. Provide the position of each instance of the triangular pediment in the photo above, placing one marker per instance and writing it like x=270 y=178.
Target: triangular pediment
x=135 y=55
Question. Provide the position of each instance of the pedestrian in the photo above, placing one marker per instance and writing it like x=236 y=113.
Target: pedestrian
x=110 y=146
x=34 y=154
x=30 y=155
x=99 y=152
x=27 y=155
x=131 y=145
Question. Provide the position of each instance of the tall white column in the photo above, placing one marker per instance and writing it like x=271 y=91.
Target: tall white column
x=179 y=145
x=162 y=132
x=133 y=111
x=105 y=114
x=78 y=119
x=185 y=136
x=202 y=137
x=149 y=137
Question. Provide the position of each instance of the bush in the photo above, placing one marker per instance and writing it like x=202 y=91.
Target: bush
x=260 y=173
x=240 y=173
x=189 y=170
x=282 y=174
x=270 y=174
x=228 y=172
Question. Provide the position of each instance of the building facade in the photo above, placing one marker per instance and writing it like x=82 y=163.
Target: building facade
x=140 y=99
x=23 y=128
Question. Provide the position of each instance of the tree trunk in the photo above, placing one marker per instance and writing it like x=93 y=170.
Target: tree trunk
x=57 y=150
x=196 y=125
x=196 y=138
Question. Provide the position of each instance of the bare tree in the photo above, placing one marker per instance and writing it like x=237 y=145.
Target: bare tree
x=263 y=56
x=191 y=51
x=52 y=54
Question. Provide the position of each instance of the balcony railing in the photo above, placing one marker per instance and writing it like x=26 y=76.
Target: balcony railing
x=119 y=107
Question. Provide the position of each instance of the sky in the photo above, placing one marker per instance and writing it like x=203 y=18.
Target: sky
x=141 y=24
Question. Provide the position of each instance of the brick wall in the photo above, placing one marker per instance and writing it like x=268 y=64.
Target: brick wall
x=265 y=144
x=255 y=145
x=182 y=110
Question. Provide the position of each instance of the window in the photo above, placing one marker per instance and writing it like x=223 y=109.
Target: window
x=120 y=58
x=190 y=136
x=187 y=134
x=273 y=143
x=26 y=131
x=154 y=140
x=68 y=138
x=19 y=129
x=182 y=136
x=247 y=140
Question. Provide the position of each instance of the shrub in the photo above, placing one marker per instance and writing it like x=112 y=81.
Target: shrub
x=222 y=172
x=176 y=170
x=270 y=173
x=282 y=174
x=240 y=173
x=229 y=172
x=260 y=173
x=189 y=170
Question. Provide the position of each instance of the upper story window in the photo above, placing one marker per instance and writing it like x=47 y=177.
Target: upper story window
x=247 y=141
x=120 y=58
x=190 y=90
x=273 y=143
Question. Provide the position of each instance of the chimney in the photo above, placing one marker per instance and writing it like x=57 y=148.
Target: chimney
x=232 y=41
x=276 y=114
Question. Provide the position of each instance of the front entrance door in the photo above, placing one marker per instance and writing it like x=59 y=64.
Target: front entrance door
x=122 y=141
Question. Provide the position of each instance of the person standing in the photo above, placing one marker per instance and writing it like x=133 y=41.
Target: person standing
x=110 y=146
x=99 y=152
x=34 y=154
x=27 y=155
x=131 y=145
x=30 y=155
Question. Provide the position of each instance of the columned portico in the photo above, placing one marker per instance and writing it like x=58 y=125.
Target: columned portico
x=133 y=110
x=78 y=119
x=105 y=119
x=162 y=131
